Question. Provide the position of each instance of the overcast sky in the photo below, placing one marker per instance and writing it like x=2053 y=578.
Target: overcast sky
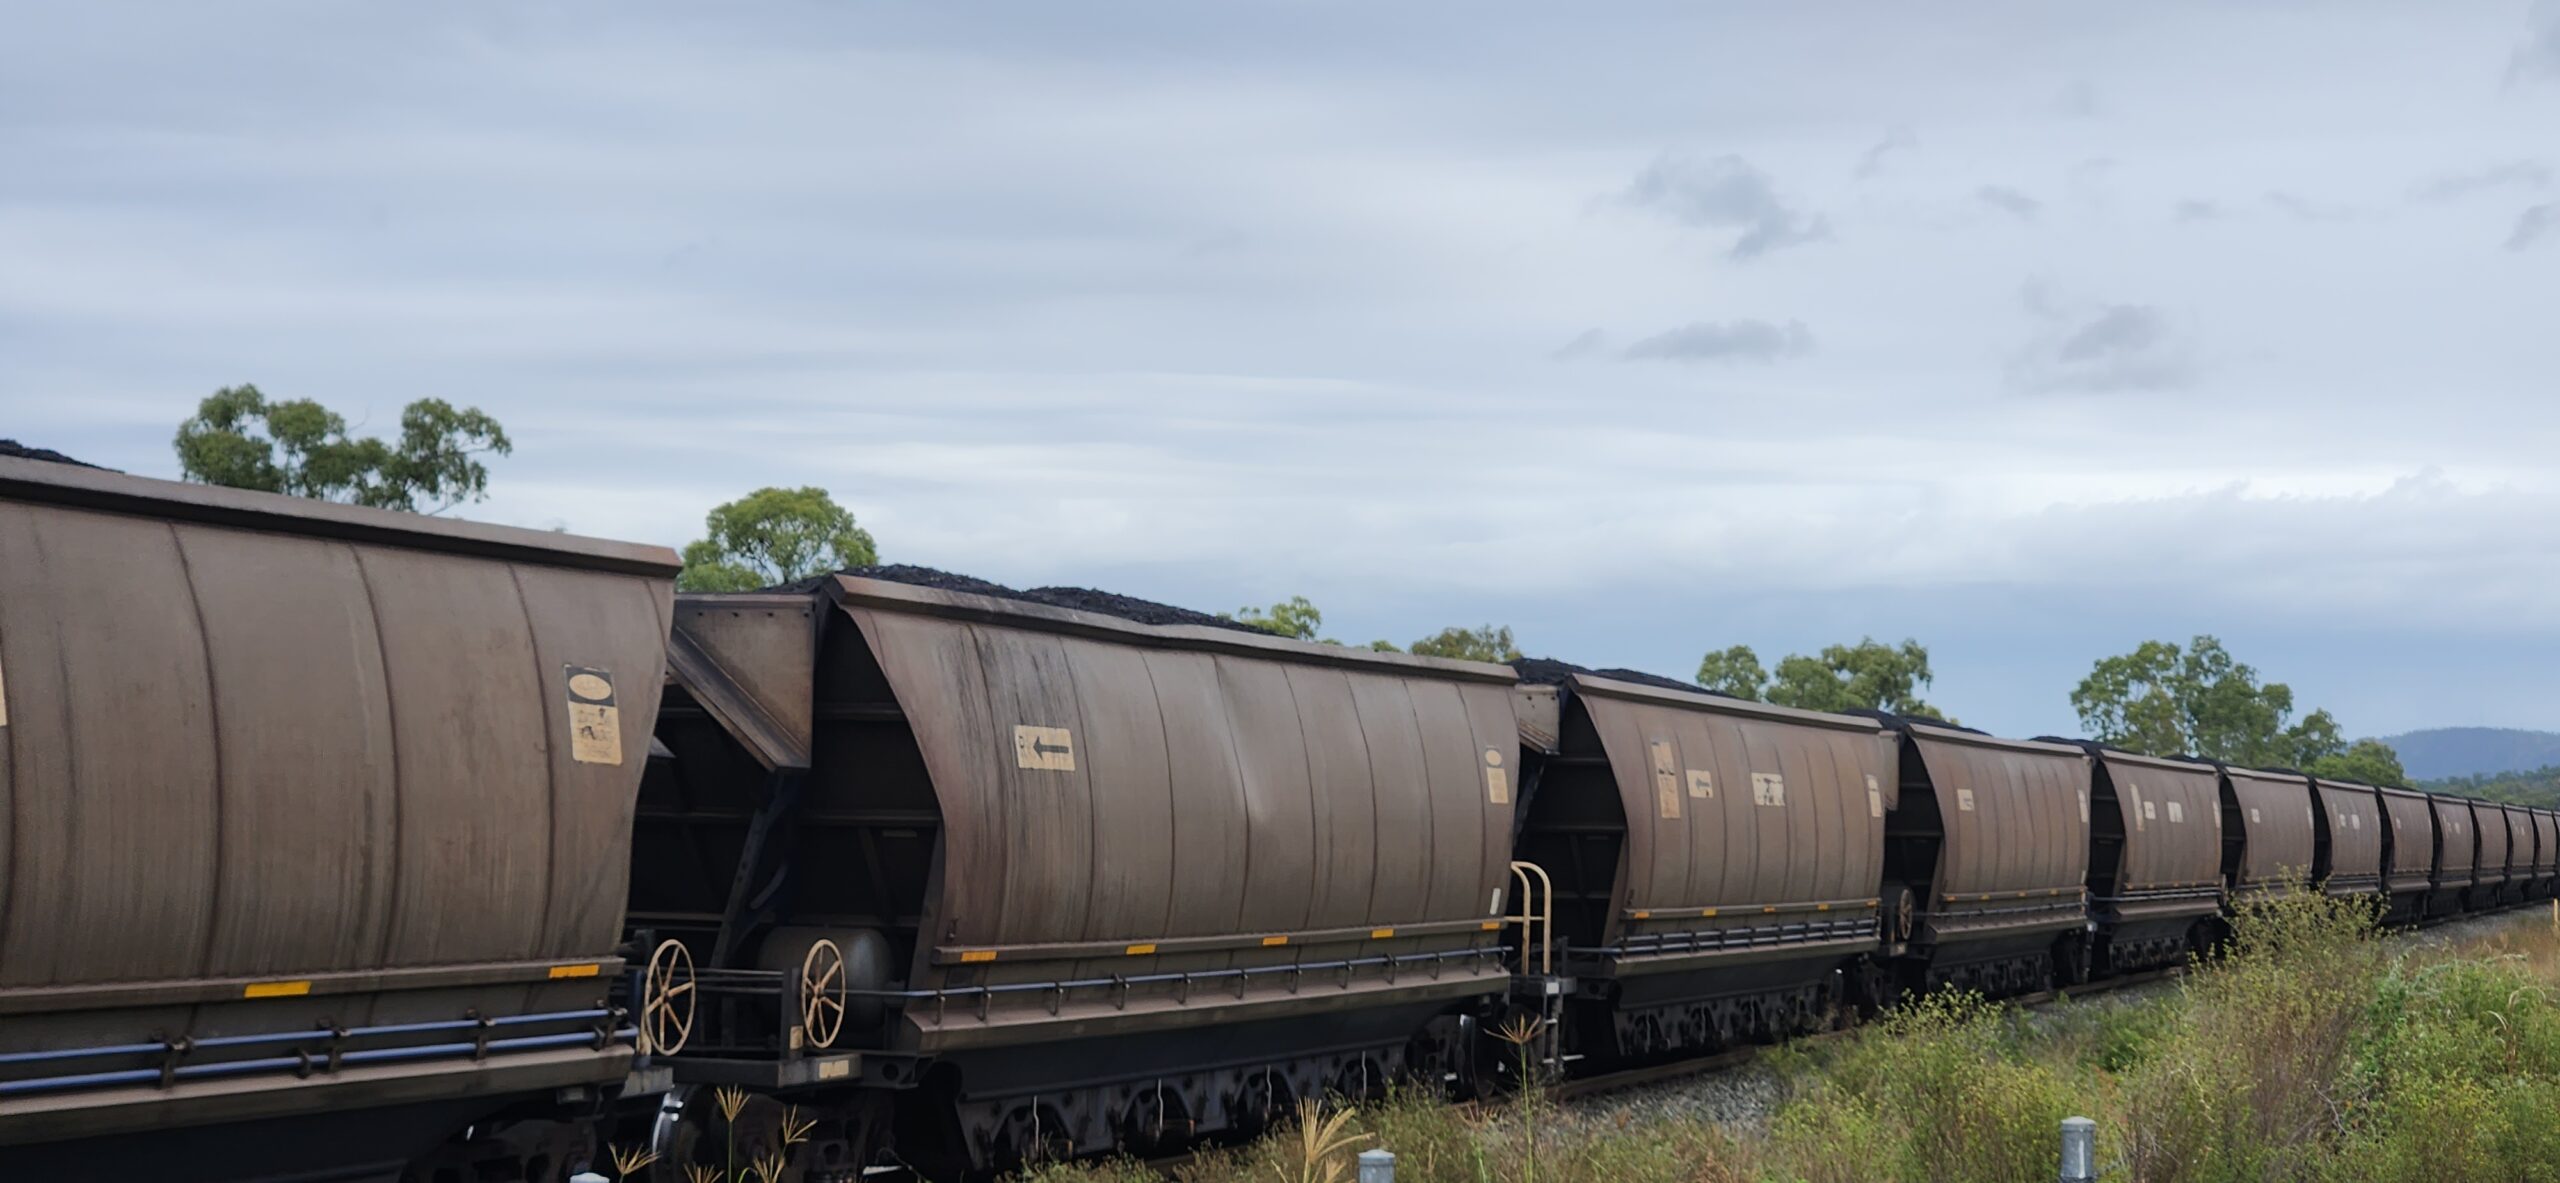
x=2028 y=330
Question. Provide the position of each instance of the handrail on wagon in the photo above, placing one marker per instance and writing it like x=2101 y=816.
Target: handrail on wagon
x=1538 y=928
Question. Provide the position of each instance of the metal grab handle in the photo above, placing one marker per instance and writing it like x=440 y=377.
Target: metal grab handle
x=1537 y=929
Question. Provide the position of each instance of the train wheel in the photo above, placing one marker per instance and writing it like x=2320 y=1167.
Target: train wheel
x=1156 y=1120
x=1032 y=1134
x=1261 y=1102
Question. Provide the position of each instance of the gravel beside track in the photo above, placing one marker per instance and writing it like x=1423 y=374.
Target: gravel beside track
x=1741 y=1091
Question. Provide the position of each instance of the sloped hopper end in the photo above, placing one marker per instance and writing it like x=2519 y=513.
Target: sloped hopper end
x=1147 y=827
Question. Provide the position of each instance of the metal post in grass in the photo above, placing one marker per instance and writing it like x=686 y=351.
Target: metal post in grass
x=2079 y=1150
x=1377 y=1166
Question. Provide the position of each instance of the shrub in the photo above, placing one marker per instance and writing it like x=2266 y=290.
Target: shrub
x=1937 y=1090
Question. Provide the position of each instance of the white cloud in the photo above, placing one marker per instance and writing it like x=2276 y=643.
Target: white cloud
x=1238 y=304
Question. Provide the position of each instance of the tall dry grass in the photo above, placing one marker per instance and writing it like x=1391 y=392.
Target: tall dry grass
x=2310 y=1051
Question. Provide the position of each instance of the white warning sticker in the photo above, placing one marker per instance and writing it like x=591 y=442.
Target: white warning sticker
x=1666 y=779
x=2084 y=807
x=2177 y=813
x=1768 y=788
x=4 y=696
x=595 y=722
x=1702 y=784
x=1497 y=786
x=1044 y=749
x=1964 y=800
x=1875 y=798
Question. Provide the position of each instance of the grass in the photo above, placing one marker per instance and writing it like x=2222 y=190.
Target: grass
x=2313 y=1051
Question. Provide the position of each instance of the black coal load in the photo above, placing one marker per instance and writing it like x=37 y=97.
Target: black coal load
x=26 y=452
x=1080 y=599
x=1547 y=671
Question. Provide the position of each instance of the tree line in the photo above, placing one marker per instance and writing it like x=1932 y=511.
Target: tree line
x=2161 y=699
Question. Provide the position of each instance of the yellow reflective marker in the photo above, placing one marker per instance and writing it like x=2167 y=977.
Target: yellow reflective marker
x=1642 y=914
x=1380 y=934
x=1269 y=942
x=1138 y=950
x=978 y=955
x=588 y=970
x=275 y=989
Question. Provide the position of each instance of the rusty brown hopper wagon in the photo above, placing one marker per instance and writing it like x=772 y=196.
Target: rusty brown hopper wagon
x=2546 y=852
x=2270 y=836
x=2347 y=838
x=1714 y=861
x=2409 y=853
x=1987 y=856
x=2457 y=854
x=315 y=821
x=2520 y=854
x=2489 y=873
x=1062 y=881
x=2155 y=858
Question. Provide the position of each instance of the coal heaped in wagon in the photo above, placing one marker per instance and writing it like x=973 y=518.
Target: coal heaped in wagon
x=14 y=450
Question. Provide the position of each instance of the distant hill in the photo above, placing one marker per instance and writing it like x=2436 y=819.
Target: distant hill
x=2440 y=752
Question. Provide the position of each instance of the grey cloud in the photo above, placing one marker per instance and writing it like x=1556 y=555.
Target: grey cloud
x=1218 y=243
x=2539 y=56
x=2192 y=210
x=2112 y=347
x=2528 y=174
x=1724 y=193
x=2079 y=100
x=1584 y=344
x=2532 y=224
x=1899 y=139
x=2120 y=330
x=2009 y=201
x=2304 y=209
x=1737 y=340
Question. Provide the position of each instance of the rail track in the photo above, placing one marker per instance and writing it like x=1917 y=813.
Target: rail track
x=1582 y=1088
x=1610 y=1082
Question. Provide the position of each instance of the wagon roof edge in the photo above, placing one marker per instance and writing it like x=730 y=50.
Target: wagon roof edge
x=45 y=483
x=856 y=591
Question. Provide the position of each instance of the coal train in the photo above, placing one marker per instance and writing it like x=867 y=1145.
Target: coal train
x=347 y=845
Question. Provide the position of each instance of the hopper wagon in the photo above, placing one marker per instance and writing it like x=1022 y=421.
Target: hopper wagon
x=2155 y=859
x=2457 y=856
x=2490 y=869
x=2409 y=852
x=313 y=824
x=1003 y=881
x=343 y=845
x=1713 y=864
x=2347 y=839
